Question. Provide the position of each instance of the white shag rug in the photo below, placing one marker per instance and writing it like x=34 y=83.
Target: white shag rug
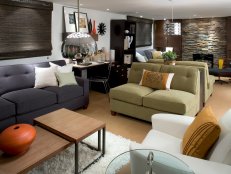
x=63 y=163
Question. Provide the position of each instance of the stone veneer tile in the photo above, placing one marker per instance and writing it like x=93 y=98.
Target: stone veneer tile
x=206 y=35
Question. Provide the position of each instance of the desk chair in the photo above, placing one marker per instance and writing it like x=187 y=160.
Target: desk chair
x=102 y=79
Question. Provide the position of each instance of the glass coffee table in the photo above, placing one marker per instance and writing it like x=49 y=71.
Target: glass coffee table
x=147 y=161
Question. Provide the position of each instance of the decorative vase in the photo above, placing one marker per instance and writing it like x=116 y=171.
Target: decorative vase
x=130 y=39
x=90 y=26
x=220 y=63
x=17 y=139
x=126 y=42
x=94 y=28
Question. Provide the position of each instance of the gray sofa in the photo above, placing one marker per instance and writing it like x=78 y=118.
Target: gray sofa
x=21 y=103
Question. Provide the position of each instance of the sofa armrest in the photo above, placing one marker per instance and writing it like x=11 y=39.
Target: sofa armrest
x=85 y=84
x=201 y=166
x=171 y=124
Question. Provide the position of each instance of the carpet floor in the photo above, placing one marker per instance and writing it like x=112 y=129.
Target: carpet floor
x=63 y=163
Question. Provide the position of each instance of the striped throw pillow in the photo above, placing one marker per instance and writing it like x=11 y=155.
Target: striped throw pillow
x=201 y=134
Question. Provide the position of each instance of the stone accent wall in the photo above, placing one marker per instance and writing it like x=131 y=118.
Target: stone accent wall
x=207 y=35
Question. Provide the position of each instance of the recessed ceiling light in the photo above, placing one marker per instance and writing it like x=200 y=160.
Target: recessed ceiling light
x=165 y=19
x=108 y=9
x=81 y=4
x=195 y=15
x=141 y=16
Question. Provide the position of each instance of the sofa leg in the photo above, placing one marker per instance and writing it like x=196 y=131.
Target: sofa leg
x=113 y=113
x=85 y=106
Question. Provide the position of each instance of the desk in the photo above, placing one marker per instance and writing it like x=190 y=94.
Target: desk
x=83 y=68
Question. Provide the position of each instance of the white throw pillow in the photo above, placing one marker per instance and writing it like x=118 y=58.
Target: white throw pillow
x=45 y=77
x=140 y=58
x=62 y=69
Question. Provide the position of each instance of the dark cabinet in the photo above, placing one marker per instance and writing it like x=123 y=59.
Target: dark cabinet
x=118 y=75
x=123 y=40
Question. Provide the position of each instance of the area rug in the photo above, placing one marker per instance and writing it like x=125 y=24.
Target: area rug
x=63 y=163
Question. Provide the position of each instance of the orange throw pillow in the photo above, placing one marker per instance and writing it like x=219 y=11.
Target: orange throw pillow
x=156 y=80
x=201 y=134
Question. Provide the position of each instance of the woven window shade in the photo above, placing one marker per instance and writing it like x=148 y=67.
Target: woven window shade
x=25 y=29
x=143 y=31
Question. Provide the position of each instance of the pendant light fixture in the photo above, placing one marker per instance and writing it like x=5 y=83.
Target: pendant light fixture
x=171 y=27
x=78 y=44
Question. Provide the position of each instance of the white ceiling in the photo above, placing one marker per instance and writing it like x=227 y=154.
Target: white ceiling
x=158 y=9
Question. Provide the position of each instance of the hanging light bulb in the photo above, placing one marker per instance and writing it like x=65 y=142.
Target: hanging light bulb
x=170 y=25
x=172 y=10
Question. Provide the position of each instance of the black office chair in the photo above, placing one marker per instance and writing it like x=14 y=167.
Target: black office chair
x=102 y=79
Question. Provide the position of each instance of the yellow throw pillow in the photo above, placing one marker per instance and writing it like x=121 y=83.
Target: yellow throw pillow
x=156 y=80
x=201 y=134
x=157 y=55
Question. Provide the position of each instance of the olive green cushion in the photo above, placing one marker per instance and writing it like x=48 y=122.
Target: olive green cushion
x=130 y=92
x=173 y=101
x=185 y=78
x=192 y=63
x=157 y=61
x=66 y=79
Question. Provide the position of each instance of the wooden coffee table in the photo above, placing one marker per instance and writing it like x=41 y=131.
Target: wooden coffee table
x=37 y=153
x=73 y=127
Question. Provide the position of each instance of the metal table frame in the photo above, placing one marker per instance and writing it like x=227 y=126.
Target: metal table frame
x=98 y=149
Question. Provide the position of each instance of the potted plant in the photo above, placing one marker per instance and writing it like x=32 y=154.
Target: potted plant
x=169 y=57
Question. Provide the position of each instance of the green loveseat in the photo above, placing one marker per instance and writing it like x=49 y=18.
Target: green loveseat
x=207 y=81
x=142 y=102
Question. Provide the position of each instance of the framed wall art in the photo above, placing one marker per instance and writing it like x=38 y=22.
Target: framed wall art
x=69 y=17
x=83 y=22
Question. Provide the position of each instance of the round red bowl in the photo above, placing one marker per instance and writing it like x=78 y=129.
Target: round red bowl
x=17 y=139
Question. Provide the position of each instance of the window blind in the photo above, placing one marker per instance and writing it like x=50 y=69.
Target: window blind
x=25 y=28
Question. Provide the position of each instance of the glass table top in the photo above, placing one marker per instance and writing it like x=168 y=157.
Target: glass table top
x=147 y=161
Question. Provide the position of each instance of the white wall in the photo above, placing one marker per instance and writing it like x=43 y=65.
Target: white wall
x=105 y=17
x=58 y=29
